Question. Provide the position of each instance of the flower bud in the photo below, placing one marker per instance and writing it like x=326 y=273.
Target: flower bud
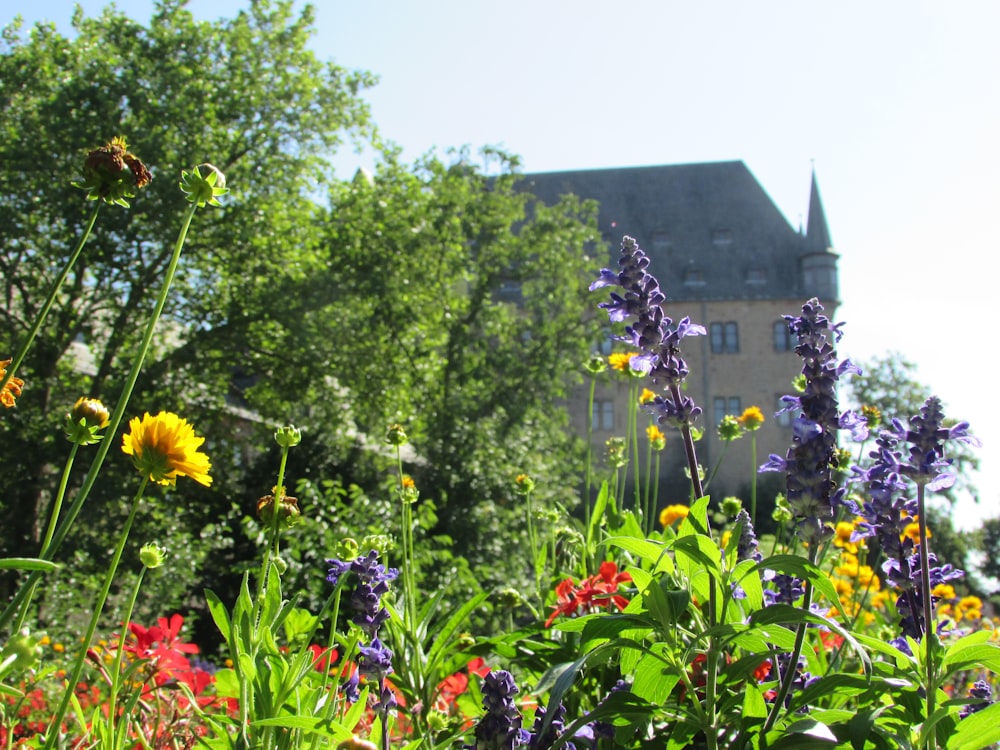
x=288 y=512
x=280 y=565
x=751 y=419
x=347 y=549
x=111 y=173
x=26 y=650
x=729 y=428
x=87 y=417
x=408 y=489
x=203 y=185
x=523 y=484
x=395 y=435
x=356 y=743
x=596 y=364
x=12 y=388
x=152 y=555
x=731 y=506
x=288 y=436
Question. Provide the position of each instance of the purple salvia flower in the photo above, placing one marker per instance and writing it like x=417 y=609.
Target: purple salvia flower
x=809 y=464
x=983 y=695
x=650 y=330
x=500 y=727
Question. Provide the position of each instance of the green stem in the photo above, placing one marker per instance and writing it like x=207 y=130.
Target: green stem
x=929 y=635
x=50 y=300
x=116 y=672
x=534 y=548
x=62 y=531
x=753 y=478
x=53 y=518
x=88 y=638
x=633 y=408
x=408 y=572
x=590 y=451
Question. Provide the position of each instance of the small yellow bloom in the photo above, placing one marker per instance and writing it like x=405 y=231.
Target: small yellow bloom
x=646 y=397
x=842 y=537
x=407 y=482
x=619 y=360
x=751 y=419
x=943 y=591
x=912 y=531
x=656 y=438
x=672 y=513
x=12 y=388
x=165 y=447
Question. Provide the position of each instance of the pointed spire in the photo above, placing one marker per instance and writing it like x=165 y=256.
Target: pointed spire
x=817 y=232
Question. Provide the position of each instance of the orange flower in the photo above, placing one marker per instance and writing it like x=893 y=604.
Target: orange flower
x=12 y=388
x=672 y=513
x=751 y=419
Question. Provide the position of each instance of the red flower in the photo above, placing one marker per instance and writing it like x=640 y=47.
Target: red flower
x=600 y=590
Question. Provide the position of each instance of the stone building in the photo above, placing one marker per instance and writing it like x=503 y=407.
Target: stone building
x=726 y=257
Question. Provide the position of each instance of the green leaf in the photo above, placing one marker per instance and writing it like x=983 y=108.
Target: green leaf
x=985 y=655
x=27 y=563
x=799 y=567
x=219 y=614
x=665 y=604
x=655 y=553
x=699 y=551
x=807 y=734
x=654 y=680
x=754 y=705
x=978 y=730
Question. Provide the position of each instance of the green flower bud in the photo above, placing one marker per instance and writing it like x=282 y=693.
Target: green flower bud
x=347 y=549
x=731 y=506
x=288 y=436
x=436 y=721
x=24 y=650
x=381 y=543
x=203 y=185
x=280 y=564
x=465 y=640
x=596 y=364
x=523 y=484
x=510 y=598
x=395 y=435
x=152 y=555
x=615 y=451
x=85 y=420
x=729 y=429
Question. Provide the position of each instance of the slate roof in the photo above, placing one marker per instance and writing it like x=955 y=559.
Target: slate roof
x=710 y=229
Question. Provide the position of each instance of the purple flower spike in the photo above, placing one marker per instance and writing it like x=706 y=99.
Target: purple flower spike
x=810 y=462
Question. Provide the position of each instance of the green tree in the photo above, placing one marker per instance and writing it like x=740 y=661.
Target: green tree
x=432 y=294
x=246 y=94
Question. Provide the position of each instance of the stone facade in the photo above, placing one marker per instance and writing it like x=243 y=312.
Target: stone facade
x=727 y=258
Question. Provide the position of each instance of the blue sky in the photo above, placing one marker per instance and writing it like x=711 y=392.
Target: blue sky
x=895 y=103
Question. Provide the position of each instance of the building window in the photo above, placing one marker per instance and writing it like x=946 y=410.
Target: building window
x=603 y=418
x=723 y=405
x=694 y=277
x=725 y=338
x=605 y=346
x=784 y=341
x=756 y=276
x=722 y=237
x=661 y=241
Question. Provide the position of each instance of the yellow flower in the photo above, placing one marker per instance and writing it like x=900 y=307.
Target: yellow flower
x=408 y=483
x=943 y=591
x=11 y=389
x=619 y=360
x=842 y=537
x=165 y=447
x=646 y=397
x=656 y=438
x=670 y=514
x=912 y=530
x=751 y=419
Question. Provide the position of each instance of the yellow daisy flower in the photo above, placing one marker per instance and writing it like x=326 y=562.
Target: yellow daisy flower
x=751 y=419
x=165 y=447
x=673 y=513
x=619 y=360
x=12 y=388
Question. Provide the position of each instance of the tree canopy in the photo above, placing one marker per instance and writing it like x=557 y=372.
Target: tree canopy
x=429 y=294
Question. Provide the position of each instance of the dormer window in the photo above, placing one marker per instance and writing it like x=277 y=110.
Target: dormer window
x=722 y=237
x=694 y=277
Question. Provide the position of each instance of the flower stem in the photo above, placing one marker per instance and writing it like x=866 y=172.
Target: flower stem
x=930 y=635
x=116 y=672
x=53 y=518
x=50 y=300
x=590 y=451
x=753 y=478
x=62 y=531
x=88 y=638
